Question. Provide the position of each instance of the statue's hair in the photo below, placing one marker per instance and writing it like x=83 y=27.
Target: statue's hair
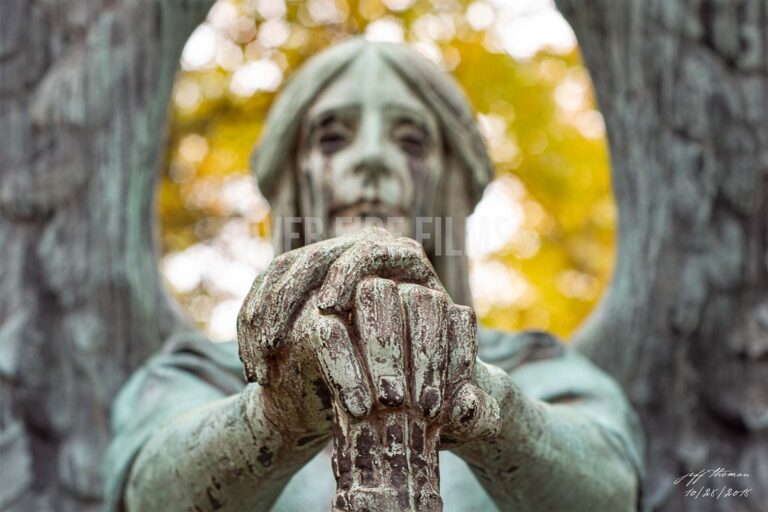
x=437 y=89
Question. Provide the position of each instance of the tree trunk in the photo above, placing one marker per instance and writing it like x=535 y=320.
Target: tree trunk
x=84 y=88
x=683 y=88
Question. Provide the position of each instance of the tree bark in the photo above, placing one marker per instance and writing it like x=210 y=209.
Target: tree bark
x=683 y=88
x=84 y=88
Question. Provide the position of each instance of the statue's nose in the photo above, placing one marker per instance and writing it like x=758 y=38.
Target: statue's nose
x=371 y=165
x=372 y=168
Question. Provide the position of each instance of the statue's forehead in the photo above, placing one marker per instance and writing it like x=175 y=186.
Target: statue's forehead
x=368 y=81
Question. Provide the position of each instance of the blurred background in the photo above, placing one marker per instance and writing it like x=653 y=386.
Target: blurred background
x=552 y=249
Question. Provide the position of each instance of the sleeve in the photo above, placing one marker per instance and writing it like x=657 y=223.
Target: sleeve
x=545 y=369
x=188 y=372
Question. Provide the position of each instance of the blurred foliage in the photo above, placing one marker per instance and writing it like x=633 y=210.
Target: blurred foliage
x=537 y=113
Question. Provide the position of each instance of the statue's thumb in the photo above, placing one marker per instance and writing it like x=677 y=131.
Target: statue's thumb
x=474 y=414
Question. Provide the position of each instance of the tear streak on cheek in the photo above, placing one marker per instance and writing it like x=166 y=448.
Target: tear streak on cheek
x=327 y=186
x=417 y=201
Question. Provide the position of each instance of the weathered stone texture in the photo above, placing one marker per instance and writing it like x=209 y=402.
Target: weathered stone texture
x=683 y=87
x=84 y=88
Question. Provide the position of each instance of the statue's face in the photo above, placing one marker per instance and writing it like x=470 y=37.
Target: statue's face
x=369 y=149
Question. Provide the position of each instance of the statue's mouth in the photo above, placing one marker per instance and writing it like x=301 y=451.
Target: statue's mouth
x=368 y=210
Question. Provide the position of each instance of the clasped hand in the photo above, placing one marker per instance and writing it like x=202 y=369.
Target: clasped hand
x=364 y=322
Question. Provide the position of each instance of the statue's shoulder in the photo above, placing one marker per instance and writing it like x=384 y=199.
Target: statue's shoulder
x=196 y=344
x=547 y=369
x=192 y=353
x=511 y=350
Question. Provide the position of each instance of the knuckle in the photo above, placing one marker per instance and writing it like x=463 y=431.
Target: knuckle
x=312 y=252
x=372 y=249
x=412 y=244
x=282 y=295
x=329 y=327
x=281 y=260
x=463 y=314
x=374 y=285
x=409 y=290
x=422 y=294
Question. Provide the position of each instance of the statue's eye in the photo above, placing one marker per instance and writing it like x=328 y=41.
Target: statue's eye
x=331 y=134
x=412 y=139
x=331 y=141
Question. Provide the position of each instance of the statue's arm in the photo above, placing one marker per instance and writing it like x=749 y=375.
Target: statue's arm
x=576 y=451
x=188 y=434
x=226 y=455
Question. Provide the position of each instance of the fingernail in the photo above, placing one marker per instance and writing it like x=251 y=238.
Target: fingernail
x=250 y=374
x=357 y=403
x=466 y=407
x=430 y=401
x=261 y=369
x=255 y=365
x=488 y=423
x=326 y=301
x=267 y=334
x=271 y=338
x=257 y=373
x=391 y=392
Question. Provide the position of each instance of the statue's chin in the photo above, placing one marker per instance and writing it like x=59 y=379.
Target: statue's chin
x=349 y=225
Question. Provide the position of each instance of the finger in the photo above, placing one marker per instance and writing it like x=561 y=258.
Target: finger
x=462 y=343
x=383 y=258
x=473 y=414
x=340 y=367
x=260 y=329
x=380 y=326
x=280 y=302
x=404 y=240
x=425 y=312
x=259 y=332
x=254 y=362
